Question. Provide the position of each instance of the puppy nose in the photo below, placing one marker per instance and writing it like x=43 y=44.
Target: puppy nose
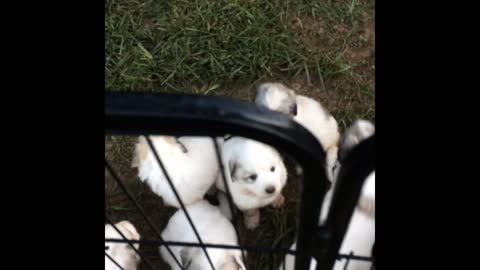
x=270 y=189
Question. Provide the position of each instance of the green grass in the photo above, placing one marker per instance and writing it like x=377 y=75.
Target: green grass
x=120 y=151
x=336 y=12
x=224 y=48
x=201 y=46
x=277 y=231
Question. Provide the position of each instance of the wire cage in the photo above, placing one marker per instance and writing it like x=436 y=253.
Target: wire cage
x=143 y=114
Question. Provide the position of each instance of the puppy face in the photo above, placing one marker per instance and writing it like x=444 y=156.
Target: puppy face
x=277 y=97
x=122 y=253
x=258 y=170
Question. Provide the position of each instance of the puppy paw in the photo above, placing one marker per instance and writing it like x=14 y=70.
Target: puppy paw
x=279 y=201
x=251 y=219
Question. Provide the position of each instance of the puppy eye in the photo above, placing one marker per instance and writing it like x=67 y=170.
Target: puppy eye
x=272 y=169
x=253 y=177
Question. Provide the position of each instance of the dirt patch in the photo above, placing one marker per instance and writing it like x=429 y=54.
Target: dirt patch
x=312 y=32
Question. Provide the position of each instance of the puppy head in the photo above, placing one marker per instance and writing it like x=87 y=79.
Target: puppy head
x=122 y=253
x=258 y=170
x=356 y=133
x=277 y=97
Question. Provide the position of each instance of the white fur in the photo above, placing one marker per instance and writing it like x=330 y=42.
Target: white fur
x=213 y=228
x=122 y=253
x=277 y=97
x=290 y=260
x=192 y=173
x=251 y=157
x=326 y=204
x=360 y=235
x=316 y=119
x=224 y=205
x=357 y=132
x=359 y=238
x=310 y=114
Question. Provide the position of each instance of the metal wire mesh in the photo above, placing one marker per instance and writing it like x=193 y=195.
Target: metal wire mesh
x=307 y=251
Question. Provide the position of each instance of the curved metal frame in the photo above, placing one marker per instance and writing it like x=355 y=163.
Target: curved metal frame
x=190 y=115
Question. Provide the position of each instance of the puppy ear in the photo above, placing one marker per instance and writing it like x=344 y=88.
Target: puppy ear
x=232 y=167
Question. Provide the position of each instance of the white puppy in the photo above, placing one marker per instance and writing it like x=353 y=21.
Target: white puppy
x=122 y=253
x=277 y=97
x=190 y=162
x=357 y=132
x=213 y=228
x=360 y=235
x=255 y=175
x=307 y=112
